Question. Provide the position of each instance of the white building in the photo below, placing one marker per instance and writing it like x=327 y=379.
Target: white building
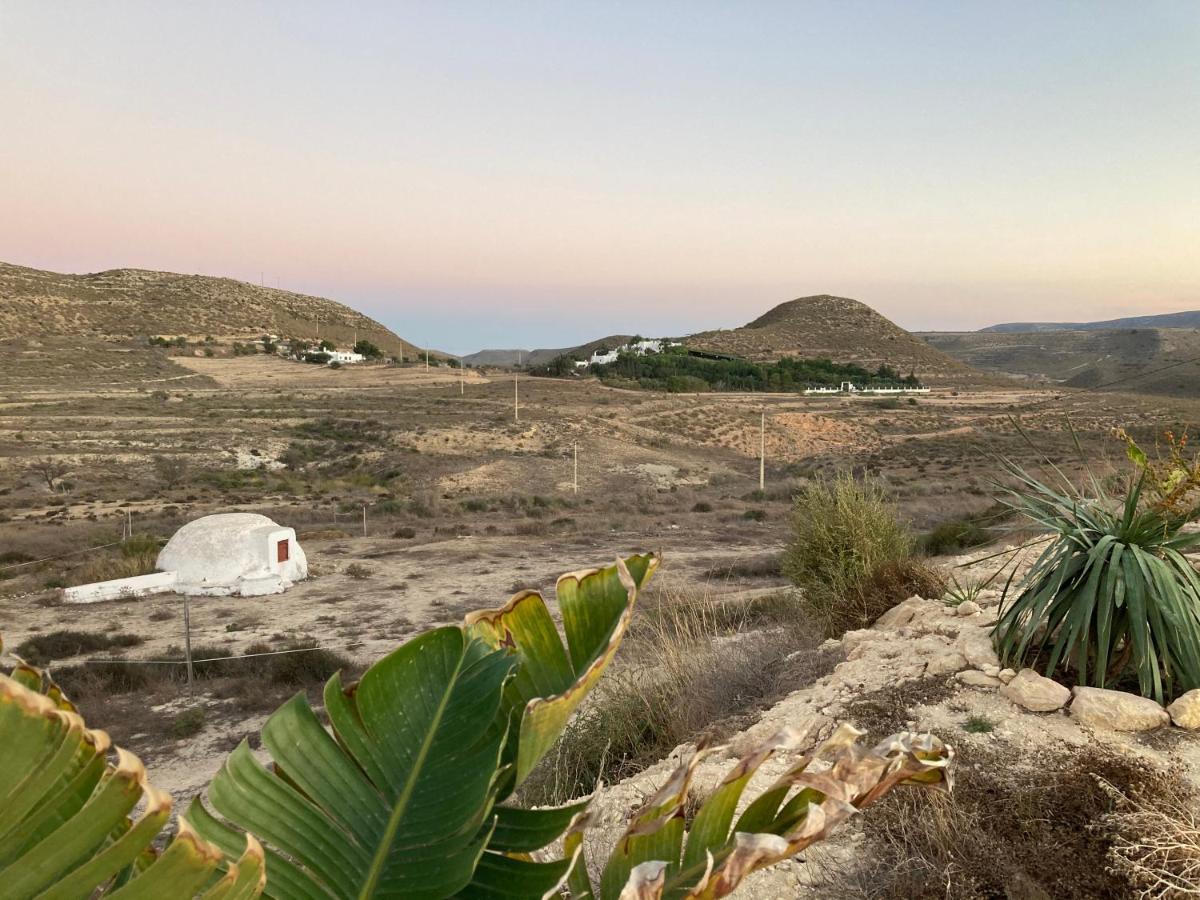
x=641 y=348
x=343 y=356
x=241 y=554
x=849 y=387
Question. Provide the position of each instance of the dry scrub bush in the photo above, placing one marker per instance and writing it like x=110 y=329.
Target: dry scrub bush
x=850 y=555
x=1156 y=840
x=1047 y=830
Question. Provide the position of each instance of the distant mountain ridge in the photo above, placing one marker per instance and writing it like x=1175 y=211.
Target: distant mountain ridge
x=123 y=303
x=1189 y=319
x=542 y=356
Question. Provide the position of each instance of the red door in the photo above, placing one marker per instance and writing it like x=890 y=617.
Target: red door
x=281 y=551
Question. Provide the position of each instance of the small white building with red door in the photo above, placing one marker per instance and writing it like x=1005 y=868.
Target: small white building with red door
x=240 y=554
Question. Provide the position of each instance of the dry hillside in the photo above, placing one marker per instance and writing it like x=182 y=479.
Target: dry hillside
x=134 y=302
x=838 y=328
x=1085 y=359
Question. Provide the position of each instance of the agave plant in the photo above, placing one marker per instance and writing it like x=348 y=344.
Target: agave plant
x=1112 y=591
x=65 y=807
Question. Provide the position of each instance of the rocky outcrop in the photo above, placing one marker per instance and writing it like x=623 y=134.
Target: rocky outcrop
x=1116 y=710
x=1035 y=692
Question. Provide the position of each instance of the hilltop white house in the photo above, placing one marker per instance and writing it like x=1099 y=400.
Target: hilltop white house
x=242 y=554
x=641 y=348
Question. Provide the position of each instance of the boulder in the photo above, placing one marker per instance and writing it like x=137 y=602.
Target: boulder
x=967 y=608
x=1185 y=712
x=1116 y=710
x=1007 y=675
x=976 y=645
x=1036 y=692
x=975 y=678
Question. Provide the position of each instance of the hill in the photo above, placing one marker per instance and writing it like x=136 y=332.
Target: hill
x=1084 y=358
x=543 y=356
x=124 y=303
x=836 y=328
x=1189 y=319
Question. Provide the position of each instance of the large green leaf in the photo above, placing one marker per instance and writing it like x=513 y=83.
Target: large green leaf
x=396 y=801
x=65 y=827
x=597 y=606
x=401 y=795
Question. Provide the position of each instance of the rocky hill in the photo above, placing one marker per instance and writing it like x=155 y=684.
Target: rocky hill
x=1189 y=319
x=838 y=328
x=1085 y=358
x=124 y=303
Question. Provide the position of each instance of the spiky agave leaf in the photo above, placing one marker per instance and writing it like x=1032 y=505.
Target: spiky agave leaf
x=65 y=813
x=403 y=796
x=652 y=861
x=1110 y=592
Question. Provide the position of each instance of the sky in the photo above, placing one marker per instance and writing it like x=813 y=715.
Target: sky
x=538 y=174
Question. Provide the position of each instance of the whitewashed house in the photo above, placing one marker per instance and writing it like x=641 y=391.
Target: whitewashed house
x=242 y=554
x=641 y=348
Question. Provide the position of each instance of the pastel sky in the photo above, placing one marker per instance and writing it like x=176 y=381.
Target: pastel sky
x=504 y=174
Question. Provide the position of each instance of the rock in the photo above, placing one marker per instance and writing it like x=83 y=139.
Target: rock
x=1007 y=675
x=1116 y=710
x=992 y=671
x=976 y=645
x=1036 y=692
x=967 y=608
x=1185 y=712
x=852 y=640
x=975 y=678
x=945 y=662
x=902 y=613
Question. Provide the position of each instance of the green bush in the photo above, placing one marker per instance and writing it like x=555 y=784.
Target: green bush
x=954 y=537
x=1111 y=595
x=188 y=722
x=844 y=532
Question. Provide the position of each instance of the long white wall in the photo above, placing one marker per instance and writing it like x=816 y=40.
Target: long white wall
x=121 y=588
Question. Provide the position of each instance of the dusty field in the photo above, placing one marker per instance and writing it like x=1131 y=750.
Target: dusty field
x=464 y=503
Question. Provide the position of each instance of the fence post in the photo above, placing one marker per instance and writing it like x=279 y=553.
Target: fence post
x=187 y=645
x=516 y=400
x=364 y=520
x=575 y=454
x=762 y=452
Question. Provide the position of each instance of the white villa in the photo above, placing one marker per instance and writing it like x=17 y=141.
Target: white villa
x=343 y=357
x=641 y=348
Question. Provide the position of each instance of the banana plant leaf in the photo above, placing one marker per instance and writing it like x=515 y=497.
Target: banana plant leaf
x=655 y=858
x=400 y=797
x=65 y=807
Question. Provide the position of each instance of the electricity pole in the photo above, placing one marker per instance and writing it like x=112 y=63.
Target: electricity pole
x=762 y=452
x=516 y=400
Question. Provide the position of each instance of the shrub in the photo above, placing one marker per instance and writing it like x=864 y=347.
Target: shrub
x=1112 y=594
x=42 y=649
x=358 y=571
x=755 y=515
x=405 y=533
x=188 y=722
x=953 y=537
x=845 y=532
x=702 y=507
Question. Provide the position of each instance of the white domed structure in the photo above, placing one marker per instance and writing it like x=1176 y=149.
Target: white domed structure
x=233 y=553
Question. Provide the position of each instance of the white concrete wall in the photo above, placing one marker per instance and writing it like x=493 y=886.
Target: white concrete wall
x=121 y=588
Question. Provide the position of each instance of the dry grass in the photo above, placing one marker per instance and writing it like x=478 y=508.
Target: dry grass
x=1155 y=839
x=1045 y=831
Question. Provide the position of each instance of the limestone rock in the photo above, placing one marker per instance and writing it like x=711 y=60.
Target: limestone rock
x=1185 y=712
x=852 y=640
x=967 y=608
x=1007 y=675
x=1116 y=710
x=902 y=613
x=1036 y=692
x=975 y=678
x=976 y=645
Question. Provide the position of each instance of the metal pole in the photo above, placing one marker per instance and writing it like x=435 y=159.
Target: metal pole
x=364 y=520
x=575 y=453
x=762 y=452
x=426 y=360
x=461 y=375
x=187 y=645
x=516 y=400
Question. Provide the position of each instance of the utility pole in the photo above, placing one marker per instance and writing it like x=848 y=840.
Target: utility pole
x=462 y=389
x=575 y=454
x=762 y=452
x=516 y=400
x=426 y=360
